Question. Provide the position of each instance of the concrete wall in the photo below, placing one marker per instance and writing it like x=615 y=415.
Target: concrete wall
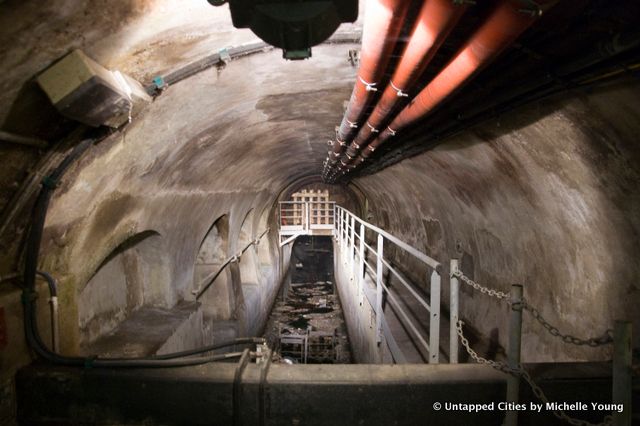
x=547 y=197
x=216 y=144
x=358 y=314
x=133 y=275
x=218 y=301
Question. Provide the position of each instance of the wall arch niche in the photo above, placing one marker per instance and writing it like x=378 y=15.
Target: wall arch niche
x=264 y=250
x=251 y=288
x=213 y=251
x=134 y=274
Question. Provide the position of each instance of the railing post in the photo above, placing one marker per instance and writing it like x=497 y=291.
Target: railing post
x=352 y=249
x=343 y=214
x=513 y=352
x=307 y=209
x=361 y=260
x=340 y=227
x=379 y=274
x=622 y=372
x=434 y=320
x=333 y=218
x=342 y=230
x=454 y=289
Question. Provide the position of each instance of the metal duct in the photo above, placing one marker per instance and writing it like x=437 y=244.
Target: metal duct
x=508 y=21
x=436 y=20
x=383 y=23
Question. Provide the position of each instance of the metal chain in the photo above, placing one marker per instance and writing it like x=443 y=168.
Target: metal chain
x=521 y=372
x=606 y=339
x=594 y=342
x=485 y=290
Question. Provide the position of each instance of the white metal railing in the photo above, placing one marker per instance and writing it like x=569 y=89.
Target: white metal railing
x=349 y=232
x=304 y=216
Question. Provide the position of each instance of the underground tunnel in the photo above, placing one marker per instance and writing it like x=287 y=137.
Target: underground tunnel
x=308 y=213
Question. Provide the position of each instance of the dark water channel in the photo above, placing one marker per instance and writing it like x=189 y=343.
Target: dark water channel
x=307 y=324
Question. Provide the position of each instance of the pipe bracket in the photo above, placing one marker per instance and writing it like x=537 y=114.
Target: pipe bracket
x=373 y=129
x=393 y=132
x=50 y=182
x=370 y=87
x=533 y=9
x=399 y=92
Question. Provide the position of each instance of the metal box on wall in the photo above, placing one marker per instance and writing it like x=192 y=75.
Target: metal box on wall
x=85 y=91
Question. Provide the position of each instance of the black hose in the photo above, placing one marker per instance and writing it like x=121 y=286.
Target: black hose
x=238 y=341
x=34 y=239
x=53 y=286
x=40 y=212
x=29 y=294
x=151 y=363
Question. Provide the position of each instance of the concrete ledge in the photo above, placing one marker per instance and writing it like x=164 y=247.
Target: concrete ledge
x=151 y=330
x=304 y=395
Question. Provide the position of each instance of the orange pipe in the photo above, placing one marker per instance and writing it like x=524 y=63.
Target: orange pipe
x=499 y=31
x=436 y=20
x=382 y=25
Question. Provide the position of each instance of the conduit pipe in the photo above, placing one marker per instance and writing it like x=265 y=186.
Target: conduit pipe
x=508 y=21
x=23 y=140
x=436 y=20
x=53 y=299
x=382 y=25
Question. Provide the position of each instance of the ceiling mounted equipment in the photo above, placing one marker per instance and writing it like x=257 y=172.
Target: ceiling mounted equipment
x=293 y=26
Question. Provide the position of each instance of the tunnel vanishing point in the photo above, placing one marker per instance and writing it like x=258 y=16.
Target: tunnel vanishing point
x=431 y=217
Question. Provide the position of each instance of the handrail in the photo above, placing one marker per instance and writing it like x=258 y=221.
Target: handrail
x=371 y=272
x=236 y=257
x=412 y=250
x=353 y=247
x=407 y=286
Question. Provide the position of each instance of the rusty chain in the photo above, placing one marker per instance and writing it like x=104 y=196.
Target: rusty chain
x=521 y=372
x=566 y=338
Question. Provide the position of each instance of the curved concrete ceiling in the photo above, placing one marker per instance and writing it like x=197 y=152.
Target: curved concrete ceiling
x=258 y=124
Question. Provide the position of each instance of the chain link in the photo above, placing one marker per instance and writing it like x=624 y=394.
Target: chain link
x=594 y=342
x=521 y=372
x=485 y=290
x=606 y=339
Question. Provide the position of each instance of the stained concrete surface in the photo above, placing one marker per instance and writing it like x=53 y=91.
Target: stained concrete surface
x=150 y=331
x=310 y=394
x=310 y=303
x=313 y=309
x=547 y=198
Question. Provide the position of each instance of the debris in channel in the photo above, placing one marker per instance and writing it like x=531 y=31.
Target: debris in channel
x=307 y=326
